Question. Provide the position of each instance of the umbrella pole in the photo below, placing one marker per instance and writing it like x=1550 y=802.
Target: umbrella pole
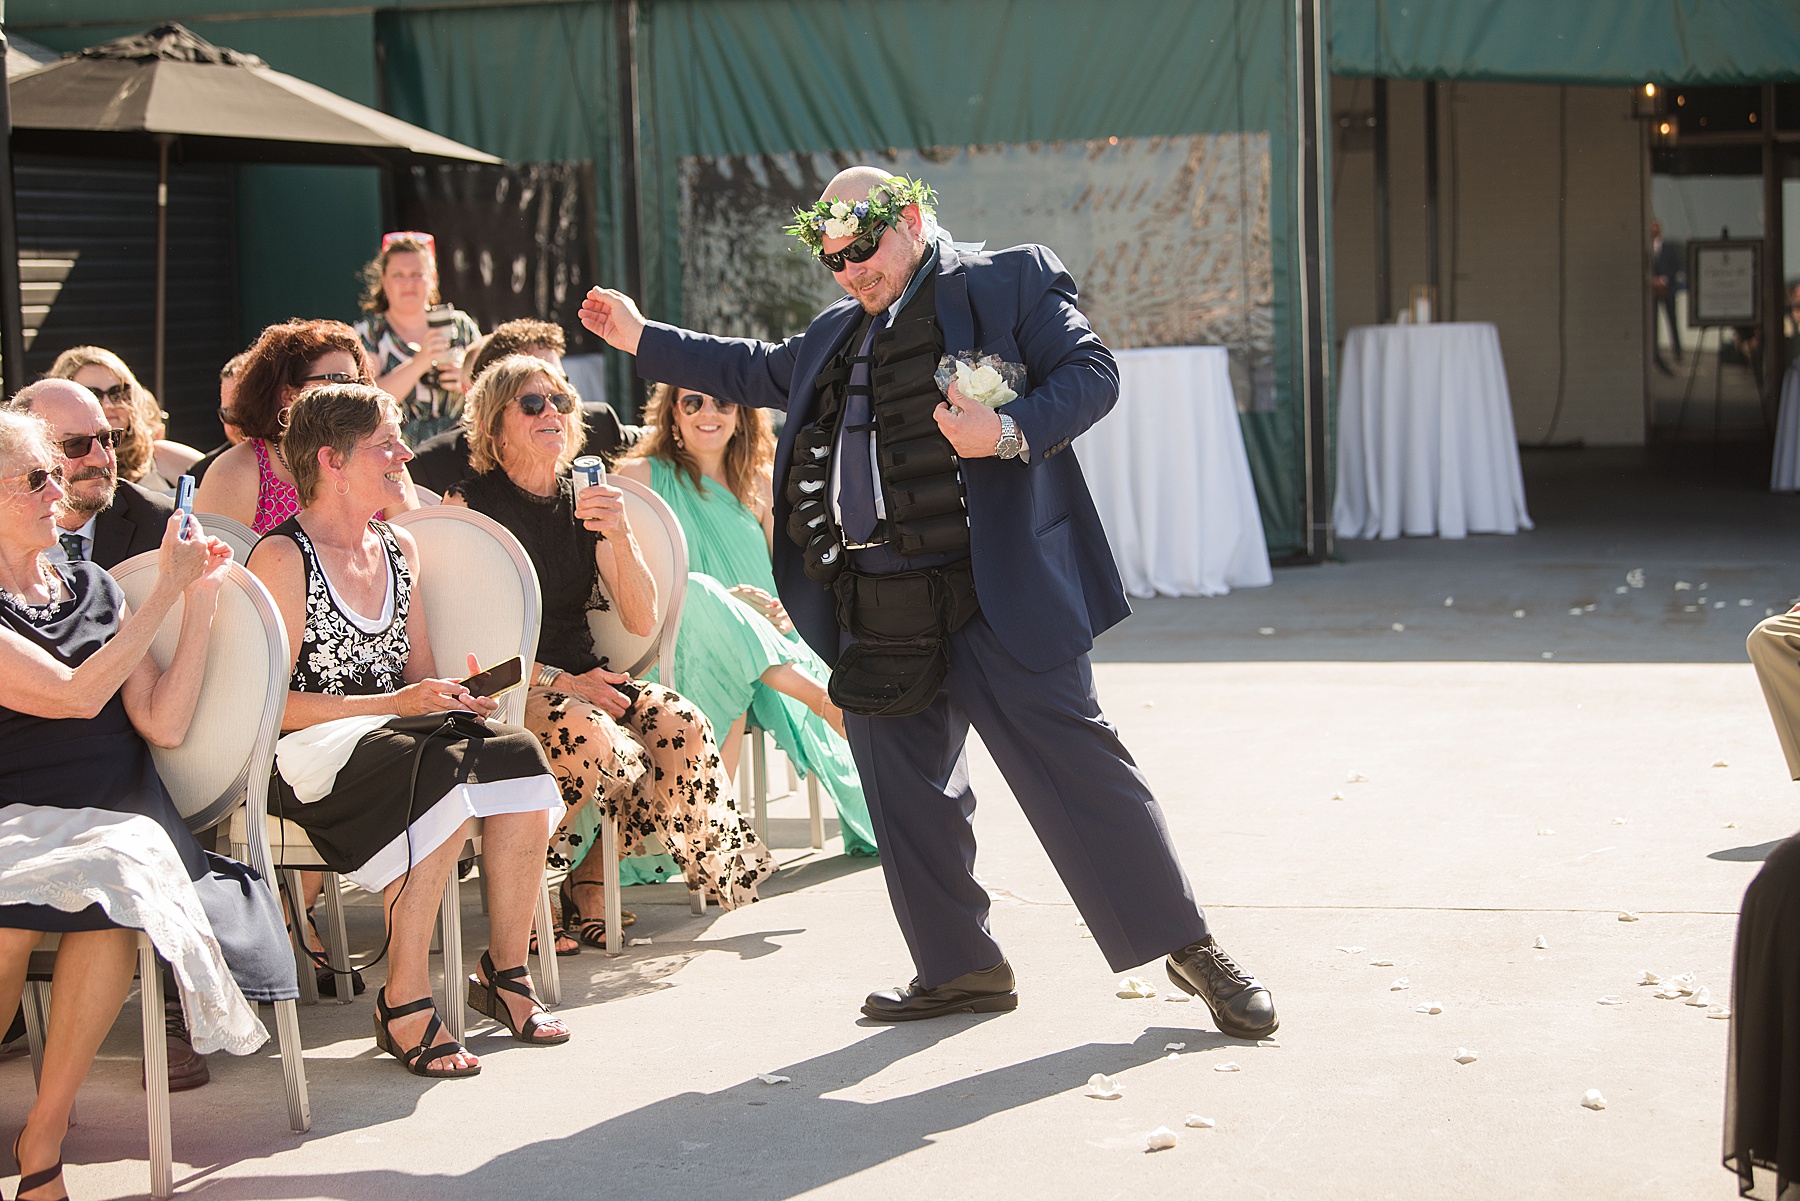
x=163 y=141
x=12 y=317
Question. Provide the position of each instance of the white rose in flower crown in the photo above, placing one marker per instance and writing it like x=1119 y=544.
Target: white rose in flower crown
x=840 y=210
x=835 y=228
x=983 y=385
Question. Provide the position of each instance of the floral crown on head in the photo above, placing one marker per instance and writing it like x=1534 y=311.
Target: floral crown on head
x=833 y=218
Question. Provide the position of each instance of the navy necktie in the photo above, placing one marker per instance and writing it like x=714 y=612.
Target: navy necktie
x=71 y=544
x=856 y=476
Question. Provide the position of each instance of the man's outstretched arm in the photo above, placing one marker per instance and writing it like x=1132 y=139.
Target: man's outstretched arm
x=742 y=369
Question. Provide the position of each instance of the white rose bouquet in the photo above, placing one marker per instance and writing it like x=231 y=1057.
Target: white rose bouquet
x=985 y=379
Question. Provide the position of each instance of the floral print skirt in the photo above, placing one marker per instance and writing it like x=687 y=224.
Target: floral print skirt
x=657 y=772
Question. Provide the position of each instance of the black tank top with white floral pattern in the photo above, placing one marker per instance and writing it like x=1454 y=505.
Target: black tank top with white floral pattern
x=339 y=655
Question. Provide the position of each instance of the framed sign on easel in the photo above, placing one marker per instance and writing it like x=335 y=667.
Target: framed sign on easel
x=1724 y=278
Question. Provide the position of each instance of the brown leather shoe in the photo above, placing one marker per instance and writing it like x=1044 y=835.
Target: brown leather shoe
x=990 y=990
x=187 y=1068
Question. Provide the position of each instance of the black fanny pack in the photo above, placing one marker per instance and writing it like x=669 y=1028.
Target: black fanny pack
x=898 y=624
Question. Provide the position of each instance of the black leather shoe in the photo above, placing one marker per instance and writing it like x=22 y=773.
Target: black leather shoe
x=187 y=1067
x=1240 y=1005
x=988 y=991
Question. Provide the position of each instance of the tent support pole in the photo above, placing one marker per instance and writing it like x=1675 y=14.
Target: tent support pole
x=1313 y=108
x=1774 y=281
x=163 y=142
x=625 y=15
x=12 y=316
x=1384 y=286
x=1431 y=198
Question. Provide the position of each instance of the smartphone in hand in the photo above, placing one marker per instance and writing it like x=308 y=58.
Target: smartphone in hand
x=184 y=501
x=498 y=680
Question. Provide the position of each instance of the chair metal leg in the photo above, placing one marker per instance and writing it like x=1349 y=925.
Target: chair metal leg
x=303 y=965
x=293 y=1066
x=337 y=938
x=793 y=777
x=815 y=814
x=759 y=781
x=549 y=979
x=609 y=847
x=36 y=1002
x=156 y=1073
x=454 y=992
x=696 y=901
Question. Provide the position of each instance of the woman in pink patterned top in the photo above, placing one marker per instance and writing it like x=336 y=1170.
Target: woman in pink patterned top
x=250 y=482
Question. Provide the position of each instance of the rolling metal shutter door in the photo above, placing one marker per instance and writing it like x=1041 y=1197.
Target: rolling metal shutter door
x=87 y=253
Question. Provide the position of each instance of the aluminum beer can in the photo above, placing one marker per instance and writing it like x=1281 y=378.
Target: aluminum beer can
x=588 y=470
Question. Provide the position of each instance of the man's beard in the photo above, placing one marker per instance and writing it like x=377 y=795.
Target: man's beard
x=895 y=285
x=85 y=506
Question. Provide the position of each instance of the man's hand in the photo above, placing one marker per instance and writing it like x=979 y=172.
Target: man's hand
x=972 y=428
x=612 y=317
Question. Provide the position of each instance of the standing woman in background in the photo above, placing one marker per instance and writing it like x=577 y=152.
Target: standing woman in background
x=418 y=354
x=146 y=458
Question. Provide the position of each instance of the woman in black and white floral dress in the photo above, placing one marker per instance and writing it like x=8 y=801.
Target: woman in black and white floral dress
x=380 y=808
x=637 y=750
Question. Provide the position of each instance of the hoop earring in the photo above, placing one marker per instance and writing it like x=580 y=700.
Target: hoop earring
x=343 y=489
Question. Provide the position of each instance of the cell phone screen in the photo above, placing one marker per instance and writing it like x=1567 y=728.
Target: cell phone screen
x=184 y=500
x=498 y=680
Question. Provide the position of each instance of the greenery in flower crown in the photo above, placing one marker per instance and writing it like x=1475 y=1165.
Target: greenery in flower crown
x=833 y=218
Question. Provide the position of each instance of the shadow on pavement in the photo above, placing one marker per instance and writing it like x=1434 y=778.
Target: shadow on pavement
x=762 y=1142
x=1755 y=854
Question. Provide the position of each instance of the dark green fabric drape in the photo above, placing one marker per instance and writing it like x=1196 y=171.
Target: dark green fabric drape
x=1569 y=41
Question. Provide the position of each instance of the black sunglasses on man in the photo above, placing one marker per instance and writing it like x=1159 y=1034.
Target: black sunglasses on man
x=860 y=250
x=78 y=446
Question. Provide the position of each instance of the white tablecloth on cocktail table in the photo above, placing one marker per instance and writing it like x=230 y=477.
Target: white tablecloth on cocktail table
x=1425 y=434
x=1784 y=475
x=1169 y=475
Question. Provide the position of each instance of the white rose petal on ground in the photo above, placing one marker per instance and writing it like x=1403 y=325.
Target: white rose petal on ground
x=1160 y=1139
x=1174 y=1046
x=1337 y=796
x=1627 y=915
x=1621 y=821
x=1518 y=612
x=1269 y=1043
x=1611 y=1000
x=1198 y=1122
x=1352 y=950
x=1464 y=1055
x=1102 y=1087
x=1686 y=982
x=1701 y=999
x=772 y=1078
x=1729 y=826
x=1589 y=608
x=1135 y=988
x=1621 y=590
x=1356 y=777
x=1179 y=997
x=1635 y=577
x=1399 y=627
x=1745 y=602
x=1449 y=602
x=1592 y=1099
x=1227 y=1066
x=1548 y=655
x=1718 y=1011
x=1542 y=944
x=638 y=942
x=1172 y=1055
x=1400 y=985
x=1575 y=611
x=1546 y=832
x=1649 y=977
x=1428 y=1007
x=1683 y=586
x=1265 y=631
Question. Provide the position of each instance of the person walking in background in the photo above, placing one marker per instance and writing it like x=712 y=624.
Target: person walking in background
x=415 y=341
x=1665 y=281
x=946 y=559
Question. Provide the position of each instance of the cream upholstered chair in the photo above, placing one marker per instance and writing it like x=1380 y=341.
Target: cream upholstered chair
x=664 y=547
x=427 y=497
x=481 y=598
x=235 y=534
x=223 y=765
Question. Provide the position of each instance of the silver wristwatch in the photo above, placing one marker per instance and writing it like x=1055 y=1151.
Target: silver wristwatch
x=1009 y=445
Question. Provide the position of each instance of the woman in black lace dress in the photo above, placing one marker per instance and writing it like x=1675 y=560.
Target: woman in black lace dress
x=347 y=589
x=640 y=750
x=91 y=845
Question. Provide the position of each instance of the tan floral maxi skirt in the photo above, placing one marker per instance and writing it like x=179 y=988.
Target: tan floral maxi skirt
x=657 y=772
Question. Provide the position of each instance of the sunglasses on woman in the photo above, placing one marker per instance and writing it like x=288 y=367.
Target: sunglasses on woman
x=693 y=402
x=532 y=403
x=118 y=394
x=335 y=377
x=859 y=251
x=78 y=446
x=38 y=477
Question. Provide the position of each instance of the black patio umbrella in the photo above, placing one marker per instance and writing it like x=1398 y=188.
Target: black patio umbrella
x=170 y=91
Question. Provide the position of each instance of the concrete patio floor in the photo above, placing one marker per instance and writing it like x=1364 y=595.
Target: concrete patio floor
x=1507 y=796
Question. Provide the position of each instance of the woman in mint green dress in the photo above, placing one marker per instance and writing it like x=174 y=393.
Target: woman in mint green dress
x=736 y=650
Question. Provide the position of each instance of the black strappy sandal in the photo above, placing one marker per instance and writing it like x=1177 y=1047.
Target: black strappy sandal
x=37 y=1179
x=426 y=1052
x=484 y=998
x=590 y=930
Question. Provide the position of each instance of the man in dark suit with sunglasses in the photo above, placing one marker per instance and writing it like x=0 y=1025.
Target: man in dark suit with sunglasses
x=869 y=501
x=103 y=518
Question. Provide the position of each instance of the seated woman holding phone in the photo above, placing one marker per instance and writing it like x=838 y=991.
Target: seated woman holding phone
x=637 y=750
x=388 y=762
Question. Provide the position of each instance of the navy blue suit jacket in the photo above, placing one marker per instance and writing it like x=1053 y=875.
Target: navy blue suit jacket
x=1043 y=569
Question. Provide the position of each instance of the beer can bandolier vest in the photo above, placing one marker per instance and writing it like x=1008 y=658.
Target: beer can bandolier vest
x=898 y=622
